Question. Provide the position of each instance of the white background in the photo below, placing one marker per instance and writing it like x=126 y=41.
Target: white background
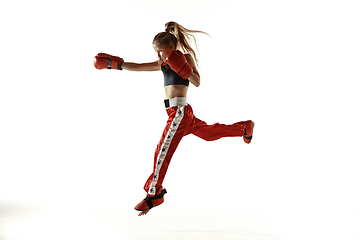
x=72 y=135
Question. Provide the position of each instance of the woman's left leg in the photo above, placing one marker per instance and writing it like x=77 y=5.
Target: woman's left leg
x=216 y=131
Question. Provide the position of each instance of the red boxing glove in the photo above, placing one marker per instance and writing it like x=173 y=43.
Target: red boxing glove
x=178 y=63
x=103 y=60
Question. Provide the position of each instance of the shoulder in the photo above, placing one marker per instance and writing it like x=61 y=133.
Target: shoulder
x=160 y=63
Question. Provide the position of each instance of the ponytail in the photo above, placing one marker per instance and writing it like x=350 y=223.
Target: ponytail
x=179 y=36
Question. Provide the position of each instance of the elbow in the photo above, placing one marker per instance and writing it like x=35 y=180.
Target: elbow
x=197 y=81
x=196 y=84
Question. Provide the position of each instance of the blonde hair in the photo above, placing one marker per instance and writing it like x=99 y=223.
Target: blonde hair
x=179 y=36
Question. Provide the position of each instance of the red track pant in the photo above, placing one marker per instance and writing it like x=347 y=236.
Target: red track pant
x=182 y=122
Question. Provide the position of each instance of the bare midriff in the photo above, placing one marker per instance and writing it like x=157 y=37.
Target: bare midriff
x=173 y=91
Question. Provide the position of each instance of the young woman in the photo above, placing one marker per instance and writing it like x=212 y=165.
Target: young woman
x=179 y=70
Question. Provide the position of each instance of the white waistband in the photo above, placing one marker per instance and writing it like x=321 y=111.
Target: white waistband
x=178 y=101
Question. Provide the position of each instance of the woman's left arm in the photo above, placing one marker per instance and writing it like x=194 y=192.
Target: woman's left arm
x=195 y=76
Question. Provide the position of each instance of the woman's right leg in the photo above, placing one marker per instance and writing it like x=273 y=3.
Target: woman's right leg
x=180 y=118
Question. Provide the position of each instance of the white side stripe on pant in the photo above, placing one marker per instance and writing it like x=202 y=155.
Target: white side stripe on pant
x=165 y=146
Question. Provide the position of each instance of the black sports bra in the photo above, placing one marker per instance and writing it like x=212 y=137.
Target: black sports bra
x=171 y=77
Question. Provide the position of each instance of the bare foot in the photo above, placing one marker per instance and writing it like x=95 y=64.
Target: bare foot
x=143 y=212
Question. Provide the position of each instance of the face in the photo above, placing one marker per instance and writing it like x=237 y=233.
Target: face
x=163 y=50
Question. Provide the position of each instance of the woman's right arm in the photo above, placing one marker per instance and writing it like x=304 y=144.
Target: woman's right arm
x=152 y=66
x=107 y=61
